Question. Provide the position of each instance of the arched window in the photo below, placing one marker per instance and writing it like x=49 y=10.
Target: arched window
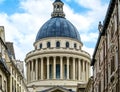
x=67 y=44
x=0 y=81
x=48 y=44
x=41 y=46
x=75 y=45
x=57 y=44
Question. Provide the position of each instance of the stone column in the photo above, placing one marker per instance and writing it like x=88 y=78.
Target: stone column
x=73 y=68
x=54 y=69
x=29 y=71
x=86 y=71
x=36 y=69
x=83 y=75
x=67 y=67
x=61 y=67
x=48 y=67
x=32 y=71
x=42 y=68
x=79 y=69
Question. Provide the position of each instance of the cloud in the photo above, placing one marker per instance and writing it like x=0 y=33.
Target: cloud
x=78 y=20
x=21 y=28
x=90 y=37
x=89 y=50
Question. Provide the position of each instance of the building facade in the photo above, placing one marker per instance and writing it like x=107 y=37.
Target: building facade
x=89 y=86
x=4 y=72
x=57 y=60
x=106 y=57
x=11 y=79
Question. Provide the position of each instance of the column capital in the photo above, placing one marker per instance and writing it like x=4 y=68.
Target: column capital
x=41 y=58
x=79 y=59
x=61 y=56
x=68 y=57
x=54 y=57
x=73 y=58
x=47 y=57
x=36 y=59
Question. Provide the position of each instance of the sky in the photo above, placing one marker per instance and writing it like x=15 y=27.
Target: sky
x=23 y=18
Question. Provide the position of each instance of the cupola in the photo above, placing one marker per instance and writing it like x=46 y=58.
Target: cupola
x=58 y=9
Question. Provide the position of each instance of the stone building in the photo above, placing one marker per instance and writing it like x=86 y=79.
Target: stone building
x=57 y=61
x=4 y=72
x=11 y=79
x=106 y=57
x=89 y=86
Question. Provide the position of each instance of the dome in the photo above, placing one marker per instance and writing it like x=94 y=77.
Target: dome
x=58 y=27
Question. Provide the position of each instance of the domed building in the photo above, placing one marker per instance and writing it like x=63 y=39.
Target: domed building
x=58 y=63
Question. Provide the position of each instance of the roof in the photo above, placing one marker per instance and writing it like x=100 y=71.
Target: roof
x=4 y=66
x=58 y=27
x=105 y=25
x=58 y=1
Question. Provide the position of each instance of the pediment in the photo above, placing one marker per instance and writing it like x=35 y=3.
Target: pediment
x=57 y=89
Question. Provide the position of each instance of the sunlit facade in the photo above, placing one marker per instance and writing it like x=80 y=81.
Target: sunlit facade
x=57 y=59
x=11 y=79
x=106 y=57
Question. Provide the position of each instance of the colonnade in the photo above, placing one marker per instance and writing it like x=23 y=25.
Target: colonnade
x=64 y=68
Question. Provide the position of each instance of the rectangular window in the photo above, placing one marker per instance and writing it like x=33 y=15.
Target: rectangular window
x=112 y=65
x=50 y=71
x=99 y=86
x=65 y=71
x=58 y=71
